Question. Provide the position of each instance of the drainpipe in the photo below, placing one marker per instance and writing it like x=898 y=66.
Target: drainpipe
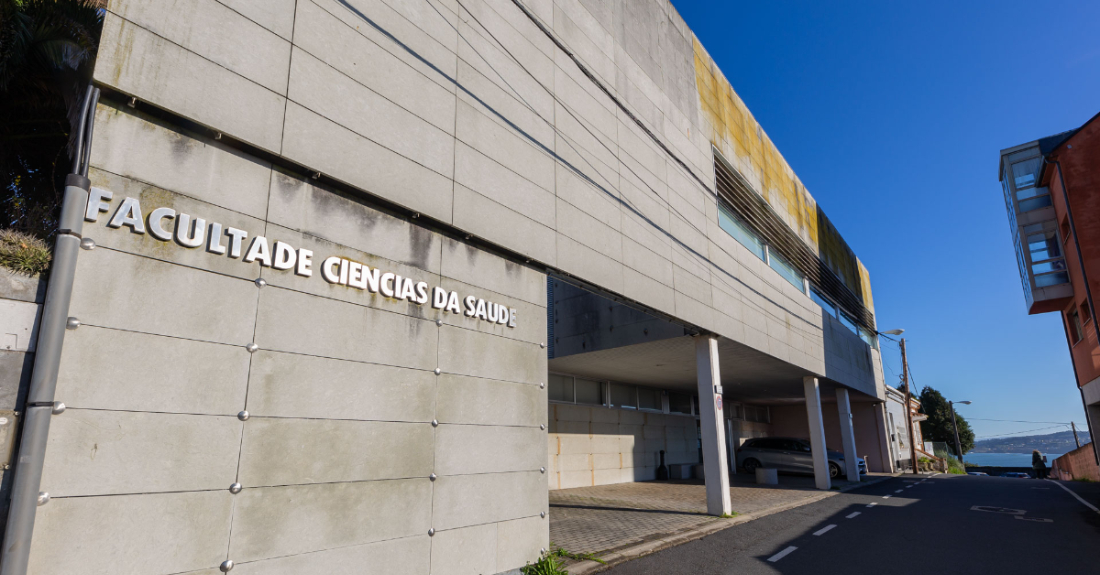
x=40 y=405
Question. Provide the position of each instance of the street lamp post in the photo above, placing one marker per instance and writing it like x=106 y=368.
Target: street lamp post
x=955 y=424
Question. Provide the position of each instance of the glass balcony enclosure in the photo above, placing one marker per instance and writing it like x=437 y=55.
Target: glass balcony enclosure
x=1032 y=223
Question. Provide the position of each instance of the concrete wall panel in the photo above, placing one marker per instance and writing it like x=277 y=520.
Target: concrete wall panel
x=93 y=452
x=477 y=401
x=281 y=451
x=161 y=374
x=463 y=500
x=134 y=146
x=131 y=534
x=405 y=556
x=117 y=290
x=191 y=85
x=465 y=449
x=292 y=385
x=477 y=354
x=287 y=322
x=280 y=521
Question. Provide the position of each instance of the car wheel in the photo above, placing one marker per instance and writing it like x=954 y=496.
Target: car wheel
x=834 y=470
x=750 y=465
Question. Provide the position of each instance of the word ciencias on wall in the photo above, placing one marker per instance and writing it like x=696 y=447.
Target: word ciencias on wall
x=166 y=225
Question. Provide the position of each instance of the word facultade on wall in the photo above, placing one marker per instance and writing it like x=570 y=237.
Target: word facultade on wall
x=194 y=232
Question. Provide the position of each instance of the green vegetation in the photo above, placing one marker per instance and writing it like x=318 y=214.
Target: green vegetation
x=938 y=426
x=552 y=564
x=23 y=253
x=954 y=465
x=47 y=52
x=730 y=515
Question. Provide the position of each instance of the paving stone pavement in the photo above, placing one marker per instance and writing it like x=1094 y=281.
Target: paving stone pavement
x=610 y=517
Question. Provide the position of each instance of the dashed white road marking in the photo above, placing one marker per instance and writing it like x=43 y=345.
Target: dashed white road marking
x=872 y=504
x=852 y=515
x=824 y=530
x=887 y=496
x=898 y=491
x=1035 y=519
x=1078 y=497
x=908 y=486
x=782 y=554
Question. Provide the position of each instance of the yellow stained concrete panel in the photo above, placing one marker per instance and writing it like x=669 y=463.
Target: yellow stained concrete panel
x=739 y=138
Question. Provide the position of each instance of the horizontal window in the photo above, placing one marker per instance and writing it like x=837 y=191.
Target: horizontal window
x=820 y=300
x=1047 y=267
x=1052 y=279
x=560 y=388
x=624 y=396
x=679 y=403
x=649 y=398
x=1034 y=203
x=1025 y=173
x=589 y=392
x=1043 y=246
x=1031 y=193
x=740 y=232
x=868 y=337
x=787 y=271
x=849 y=322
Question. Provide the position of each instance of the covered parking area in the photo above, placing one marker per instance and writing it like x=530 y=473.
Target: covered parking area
x=632 y=392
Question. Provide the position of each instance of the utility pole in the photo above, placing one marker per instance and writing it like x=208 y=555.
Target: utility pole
x=958 y=445
x=1076 y=439
x=909 y=410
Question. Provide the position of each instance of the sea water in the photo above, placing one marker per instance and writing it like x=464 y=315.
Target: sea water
x=1005 y=459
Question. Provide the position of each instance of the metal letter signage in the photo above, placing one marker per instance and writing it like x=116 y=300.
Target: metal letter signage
x=193 y=232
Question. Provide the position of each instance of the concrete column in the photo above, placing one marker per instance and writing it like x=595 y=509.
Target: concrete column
x=817 y=432
x=847 y=434
x=886 y=451
x=715 y=466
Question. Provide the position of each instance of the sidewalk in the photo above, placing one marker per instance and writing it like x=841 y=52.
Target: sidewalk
x=627 y=520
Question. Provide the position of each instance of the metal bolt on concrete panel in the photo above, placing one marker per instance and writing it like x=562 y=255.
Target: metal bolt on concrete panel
x=542 y=470
x=43 y=498
x=252 y=347
x=87 y=244
x=435 y=423
x=235 y=488
x=261 y=282
x=438 y=371
x=226 y=566
x=432 y=477
x=542 y=426
x=59 y=408
x=542 y=514
x=243 y=416
x=431 y=532
x=542 y=385
x=543 y=345
x=439 y=322
x=72 y=323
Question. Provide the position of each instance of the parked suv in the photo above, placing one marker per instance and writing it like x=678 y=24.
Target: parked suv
x=789 y=455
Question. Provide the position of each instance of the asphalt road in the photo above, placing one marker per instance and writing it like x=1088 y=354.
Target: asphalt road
x=906 y=525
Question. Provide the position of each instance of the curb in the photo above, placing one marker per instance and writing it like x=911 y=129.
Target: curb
x=655 y=545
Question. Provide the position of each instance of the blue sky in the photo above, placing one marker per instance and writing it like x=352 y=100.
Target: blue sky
x=892 y=114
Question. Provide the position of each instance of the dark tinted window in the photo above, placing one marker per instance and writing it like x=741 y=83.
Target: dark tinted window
x=769 y=443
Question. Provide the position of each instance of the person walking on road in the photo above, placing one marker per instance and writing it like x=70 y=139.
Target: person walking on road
x=1038 y=463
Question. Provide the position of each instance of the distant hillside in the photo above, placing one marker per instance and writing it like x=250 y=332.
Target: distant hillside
x=1060 y=442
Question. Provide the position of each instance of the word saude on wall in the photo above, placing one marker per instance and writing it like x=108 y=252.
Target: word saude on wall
x=193 y=232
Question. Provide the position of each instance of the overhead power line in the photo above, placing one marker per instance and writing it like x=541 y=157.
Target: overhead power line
x=1022 y=432
x=1018 y=421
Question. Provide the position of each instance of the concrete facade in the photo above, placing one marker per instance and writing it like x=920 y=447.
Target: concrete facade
x=477 y=146
x=353 y=447
x=593 y=445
